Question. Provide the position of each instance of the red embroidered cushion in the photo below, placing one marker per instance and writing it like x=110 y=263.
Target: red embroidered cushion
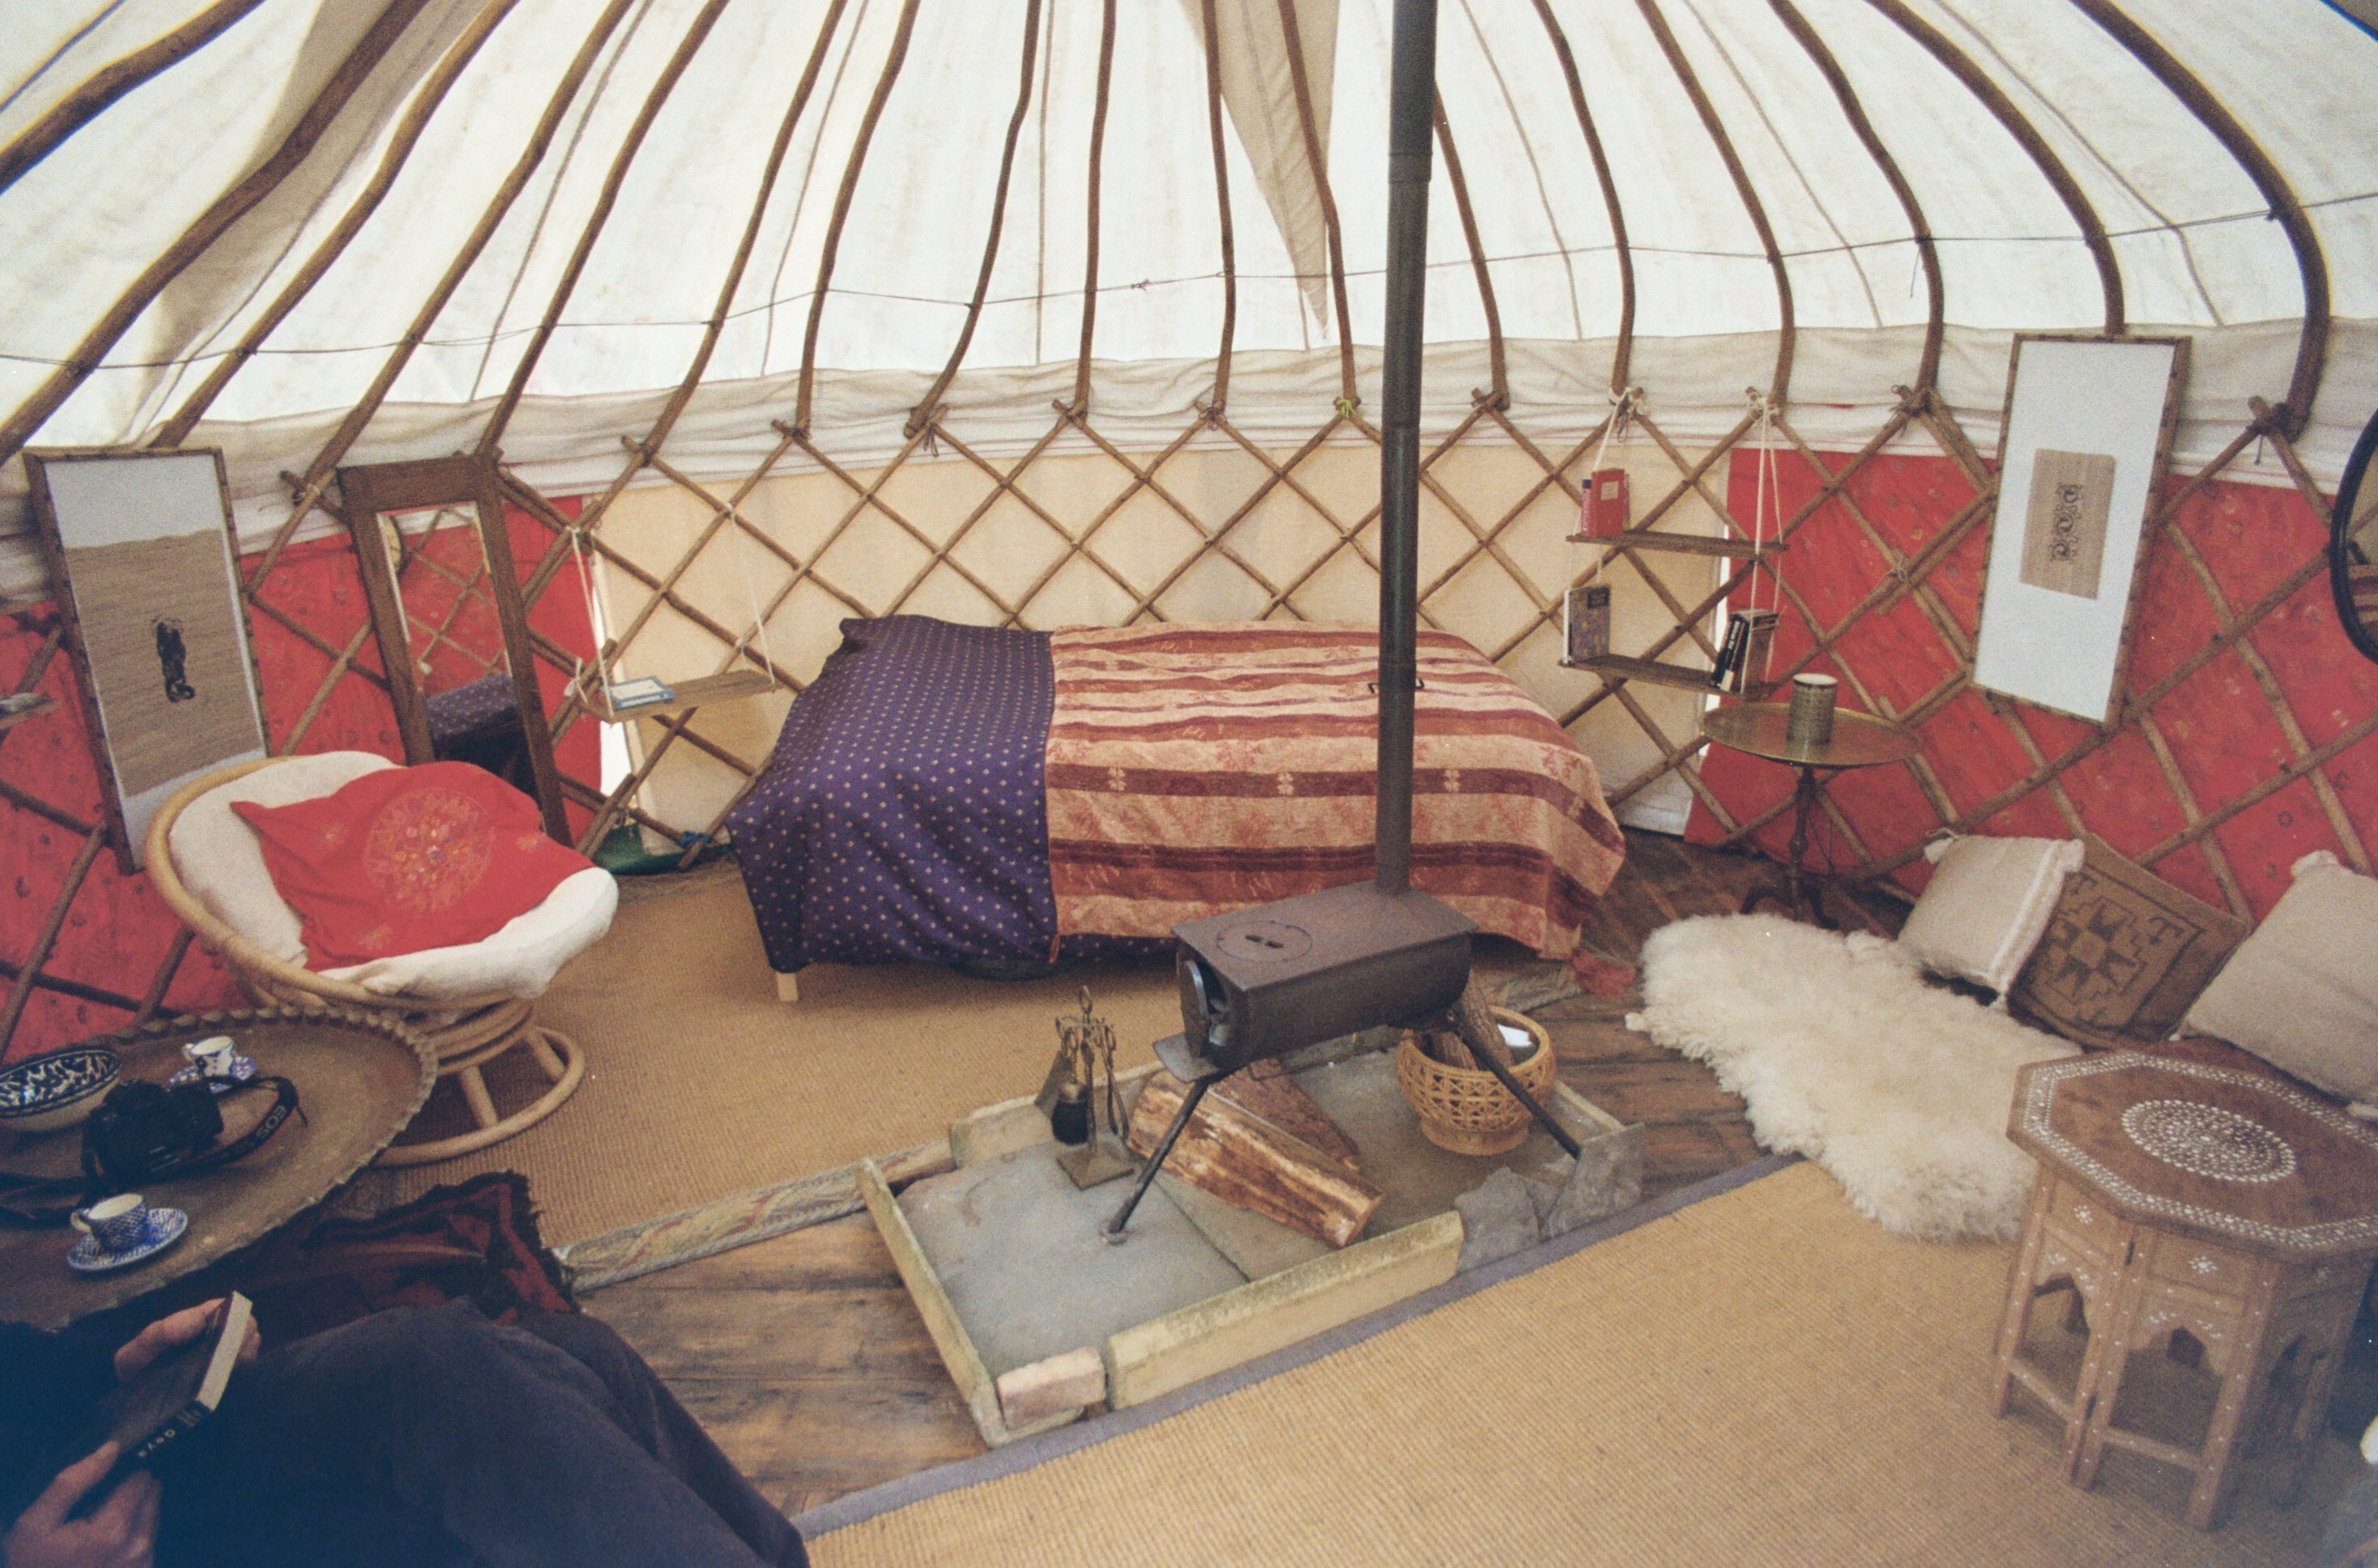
x=408 y=859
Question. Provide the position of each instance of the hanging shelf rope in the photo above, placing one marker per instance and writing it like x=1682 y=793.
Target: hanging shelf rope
x=648 y=696
x=1758 y=547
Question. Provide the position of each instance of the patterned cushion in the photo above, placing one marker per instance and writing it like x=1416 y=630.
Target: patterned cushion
x=2125 y=955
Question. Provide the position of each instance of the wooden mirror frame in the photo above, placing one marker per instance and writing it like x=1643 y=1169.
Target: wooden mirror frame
x=368 y=492
x=2341 y=566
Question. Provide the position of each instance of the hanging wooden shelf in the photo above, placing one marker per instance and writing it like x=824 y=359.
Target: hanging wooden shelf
x=1683 y=544
x=1649 y=670
x=1683 y=677
x=46 y=705
x=688 y=695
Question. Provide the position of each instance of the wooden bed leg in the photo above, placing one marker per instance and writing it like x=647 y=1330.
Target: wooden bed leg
x=788 y=988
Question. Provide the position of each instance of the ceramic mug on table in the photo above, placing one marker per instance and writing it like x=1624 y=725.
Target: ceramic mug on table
x=214 y=1058
x=117 y=1224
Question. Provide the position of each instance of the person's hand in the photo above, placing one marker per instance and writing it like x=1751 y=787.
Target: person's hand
x=189 y=1324
x=119 y=1535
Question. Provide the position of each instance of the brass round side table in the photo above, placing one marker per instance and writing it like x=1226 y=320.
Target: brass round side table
x=1859 y=740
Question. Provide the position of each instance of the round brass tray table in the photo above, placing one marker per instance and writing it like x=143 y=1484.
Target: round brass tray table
x=1859 y=740
x=360 y=1078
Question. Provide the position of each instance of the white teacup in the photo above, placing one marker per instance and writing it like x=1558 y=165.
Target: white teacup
x=117 y=1224
x=213 y=1057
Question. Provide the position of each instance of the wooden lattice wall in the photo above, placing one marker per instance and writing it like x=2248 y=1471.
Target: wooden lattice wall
x=2247 y=615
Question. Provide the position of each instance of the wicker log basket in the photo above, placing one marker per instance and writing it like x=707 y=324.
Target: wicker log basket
x=1465 y=1110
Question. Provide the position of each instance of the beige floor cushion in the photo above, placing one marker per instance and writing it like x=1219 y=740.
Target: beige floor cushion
x=1987 y=905
x=2302 y=991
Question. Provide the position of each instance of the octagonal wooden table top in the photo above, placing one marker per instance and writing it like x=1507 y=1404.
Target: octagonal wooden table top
x=2234 y=1157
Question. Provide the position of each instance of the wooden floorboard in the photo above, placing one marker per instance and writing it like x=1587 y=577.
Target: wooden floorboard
x=805 y=1358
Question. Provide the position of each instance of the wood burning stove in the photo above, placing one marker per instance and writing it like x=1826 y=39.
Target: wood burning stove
x=1258 y=983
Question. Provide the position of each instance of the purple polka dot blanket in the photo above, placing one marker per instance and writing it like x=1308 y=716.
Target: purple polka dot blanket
x=901 y=815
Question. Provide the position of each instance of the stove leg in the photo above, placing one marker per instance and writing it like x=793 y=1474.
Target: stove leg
x=1511 y=1086
x=1113 y=1227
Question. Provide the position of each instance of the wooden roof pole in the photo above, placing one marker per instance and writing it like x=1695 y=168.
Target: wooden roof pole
x=2312 y=346
x=692 y=381
x=655 y=98
x=1091 y=239
x=220 y=215
x=1307 y=120
x=307 y=489
x=928 y=408
x=892 y=64
x=400 y=148
x=1928 y=368
x=2068 y=190
x=1499 y=388
x=1780 y=383
x=1222 y=204
x=1618 y=364
x=91 y=97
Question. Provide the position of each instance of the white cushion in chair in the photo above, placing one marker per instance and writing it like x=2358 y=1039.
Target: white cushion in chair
x=219 y=859
x=518 y=961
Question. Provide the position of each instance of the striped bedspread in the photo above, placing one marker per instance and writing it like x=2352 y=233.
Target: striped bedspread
x=1196 y=768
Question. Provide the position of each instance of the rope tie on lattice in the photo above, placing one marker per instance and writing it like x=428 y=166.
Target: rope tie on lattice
x=595 y=620
x=1346 y=407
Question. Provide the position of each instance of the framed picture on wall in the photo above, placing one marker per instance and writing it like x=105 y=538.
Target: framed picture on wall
x=2087 y=435
x=145 y=565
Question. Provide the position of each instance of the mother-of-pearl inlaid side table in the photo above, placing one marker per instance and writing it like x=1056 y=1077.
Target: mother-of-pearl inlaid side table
x=2176 y=1197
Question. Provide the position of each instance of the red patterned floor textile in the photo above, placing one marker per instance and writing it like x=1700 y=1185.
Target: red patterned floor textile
x=1196 y=768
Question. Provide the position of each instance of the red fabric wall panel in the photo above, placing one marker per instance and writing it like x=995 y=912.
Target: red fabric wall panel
x=117 y=931
x=2227 y=739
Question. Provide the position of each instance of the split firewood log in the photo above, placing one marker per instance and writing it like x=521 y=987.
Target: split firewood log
x=1264 y=1091
x=1250 y=1164
x=1478 y=1034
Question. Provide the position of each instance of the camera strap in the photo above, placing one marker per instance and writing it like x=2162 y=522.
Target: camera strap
x=34 y=1202
x=103 y=1182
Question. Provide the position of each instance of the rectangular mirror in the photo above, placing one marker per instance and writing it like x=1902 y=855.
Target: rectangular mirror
x=453 y=635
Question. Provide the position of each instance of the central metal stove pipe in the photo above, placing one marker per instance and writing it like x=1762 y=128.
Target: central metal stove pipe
x=1412 y=101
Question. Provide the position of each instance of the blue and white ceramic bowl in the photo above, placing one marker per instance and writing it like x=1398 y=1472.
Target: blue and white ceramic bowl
x=45 y=1093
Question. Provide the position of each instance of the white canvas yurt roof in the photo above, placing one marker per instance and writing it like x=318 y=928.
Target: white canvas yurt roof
x=314 y=232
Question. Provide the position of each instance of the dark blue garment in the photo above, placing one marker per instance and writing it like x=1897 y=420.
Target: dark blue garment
x=48 y=1384
x=903 y=813
x=419 y=1437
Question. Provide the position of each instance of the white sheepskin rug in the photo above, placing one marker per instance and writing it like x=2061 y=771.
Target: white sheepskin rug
x=1899 y=1090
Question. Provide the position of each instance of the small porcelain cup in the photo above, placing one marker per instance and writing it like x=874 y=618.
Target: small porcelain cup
x=117 y=1224
x=213 y=1057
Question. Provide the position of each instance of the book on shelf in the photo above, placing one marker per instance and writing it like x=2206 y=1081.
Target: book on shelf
x=1586 y=622
x=169 y=1396
x=1742 y=659
x=641 y=692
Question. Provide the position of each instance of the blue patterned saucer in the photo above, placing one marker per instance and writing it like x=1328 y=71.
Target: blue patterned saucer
x=243 y=1068
x=165 y=1228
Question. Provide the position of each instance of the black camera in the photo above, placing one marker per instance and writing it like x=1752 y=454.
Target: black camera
x=143 y=1130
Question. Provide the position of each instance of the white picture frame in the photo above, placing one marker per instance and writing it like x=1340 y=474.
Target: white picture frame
x=144 y=564
x=2082 y=447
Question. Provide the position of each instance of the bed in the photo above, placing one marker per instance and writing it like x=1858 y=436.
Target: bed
x=986 y=797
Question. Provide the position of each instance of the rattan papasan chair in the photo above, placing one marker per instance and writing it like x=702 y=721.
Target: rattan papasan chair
x=471 y=1003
